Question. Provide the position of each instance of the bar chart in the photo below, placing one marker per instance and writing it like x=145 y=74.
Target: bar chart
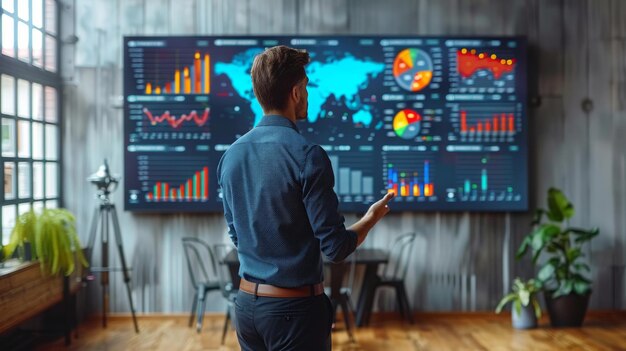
x=484 y=178
x=173 y=178
x=410 y=175
x=354 y=181
x=162 y=71
x=494 y=122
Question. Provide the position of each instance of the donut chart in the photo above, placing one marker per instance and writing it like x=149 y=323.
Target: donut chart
x=413 y=69
x=406 y=124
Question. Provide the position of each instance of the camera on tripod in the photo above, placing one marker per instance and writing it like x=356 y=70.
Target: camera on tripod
x=104 y=181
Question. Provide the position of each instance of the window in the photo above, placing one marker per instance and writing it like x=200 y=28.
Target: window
x=29 y=109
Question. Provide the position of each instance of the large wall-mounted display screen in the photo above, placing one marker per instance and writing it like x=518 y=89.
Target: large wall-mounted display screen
x=440 y=121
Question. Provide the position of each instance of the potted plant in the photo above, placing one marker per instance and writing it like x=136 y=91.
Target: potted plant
x=562 y=274
x=52 y=238
x=526 y=310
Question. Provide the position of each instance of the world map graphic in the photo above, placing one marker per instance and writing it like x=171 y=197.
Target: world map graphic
x=329 y=75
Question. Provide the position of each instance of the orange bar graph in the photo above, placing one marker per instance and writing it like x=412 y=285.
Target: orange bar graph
x=197 y=74
x=416 y=190
x=428 y=189
x=495 y=123
x=196 y=78
x=177 y=82
x=198 y=186
x=480 y=127
x=511 y=123
x=488 y=126
x=187 y=79
x=503 y=122
x=205 y=183
x=207 y=74
x=189 y=188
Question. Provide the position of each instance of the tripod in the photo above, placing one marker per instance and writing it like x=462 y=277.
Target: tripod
x=105 y=213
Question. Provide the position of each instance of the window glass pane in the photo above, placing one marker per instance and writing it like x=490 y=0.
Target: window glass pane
x=7 y=5
x=23 y=139
x=37 y=101
x=37 y=141
x=38 y=180
x=23 y=41
x=38 y=206
x=51 y=179
x=37 y=13
x=23 y=180
x=37 y=48
x=51 y=54
x=23 y=208
x=51 y=16
x=52 y=144
x=52 y=204
x=7 y=100
x=22 y=9
x=8 y=222
x=23 y=98
x=8 y=137
x=8 y=35
x=9 y=180
x=51 y=104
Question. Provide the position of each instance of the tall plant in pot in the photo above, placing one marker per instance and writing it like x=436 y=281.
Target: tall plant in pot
x=52 y=238
x=563 y=274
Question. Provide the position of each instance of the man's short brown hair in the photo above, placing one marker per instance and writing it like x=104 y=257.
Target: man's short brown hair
x=275 y=72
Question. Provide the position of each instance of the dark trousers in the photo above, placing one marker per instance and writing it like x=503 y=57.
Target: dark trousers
x=271 y=323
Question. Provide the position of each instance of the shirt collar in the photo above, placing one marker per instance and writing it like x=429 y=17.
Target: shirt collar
x=277 y=120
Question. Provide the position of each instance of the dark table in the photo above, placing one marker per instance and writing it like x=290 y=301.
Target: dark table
x=371 y=258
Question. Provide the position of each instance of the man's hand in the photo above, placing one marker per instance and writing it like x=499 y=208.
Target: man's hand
x=379 y=209
x=375 y=213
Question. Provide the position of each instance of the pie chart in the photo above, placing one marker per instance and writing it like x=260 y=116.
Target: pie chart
x=413 y=69
x=406 y=124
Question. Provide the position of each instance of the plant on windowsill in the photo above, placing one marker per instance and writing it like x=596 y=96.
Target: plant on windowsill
x=526 y=310
x=566 y=288
x=52 y=238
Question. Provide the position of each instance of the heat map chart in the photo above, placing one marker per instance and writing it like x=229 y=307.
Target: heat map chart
x=488 y=68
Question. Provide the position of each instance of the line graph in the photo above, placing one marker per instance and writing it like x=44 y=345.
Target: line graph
x=175 y=122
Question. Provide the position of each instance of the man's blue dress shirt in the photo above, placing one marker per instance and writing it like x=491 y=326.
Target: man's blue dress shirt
x=280 y=205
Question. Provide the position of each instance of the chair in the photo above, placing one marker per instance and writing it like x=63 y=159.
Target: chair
x=226 y=285
x=394 y=272
x=200 y=261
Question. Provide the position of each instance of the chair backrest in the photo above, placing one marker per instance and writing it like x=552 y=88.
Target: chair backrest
x=200 y=261
x=226 y=283
x=399 y=256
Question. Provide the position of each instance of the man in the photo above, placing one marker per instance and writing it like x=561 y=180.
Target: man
x=281 y=212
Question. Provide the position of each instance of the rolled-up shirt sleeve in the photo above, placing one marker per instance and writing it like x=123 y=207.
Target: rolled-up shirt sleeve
x=321 y=205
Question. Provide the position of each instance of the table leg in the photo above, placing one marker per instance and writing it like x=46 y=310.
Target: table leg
x=366 y=297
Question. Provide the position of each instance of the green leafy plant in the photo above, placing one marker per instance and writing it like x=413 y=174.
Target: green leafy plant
x=563 y=272
x=52 y=237
x=523 y=294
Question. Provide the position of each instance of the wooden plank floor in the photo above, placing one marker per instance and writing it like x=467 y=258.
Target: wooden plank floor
x=480 y=331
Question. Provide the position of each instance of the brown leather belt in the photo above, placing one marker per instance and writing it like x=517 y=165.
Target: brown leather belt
x=267 y=290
